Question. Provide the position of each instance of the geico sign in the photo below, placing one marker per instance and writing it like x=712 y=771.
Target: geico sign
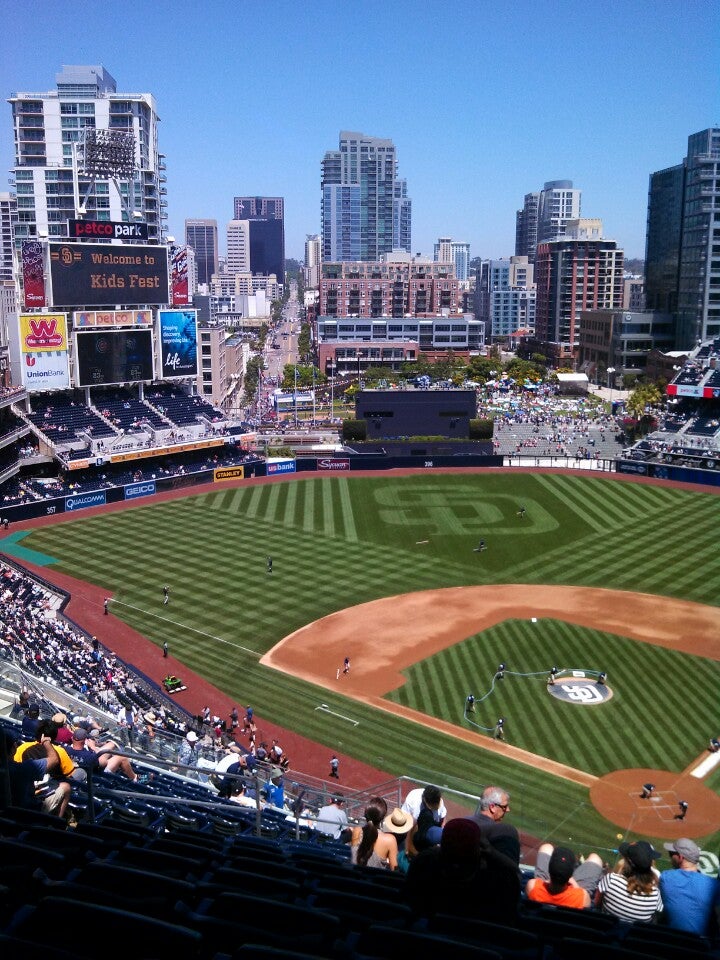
x=139 y=490
x=327 y=464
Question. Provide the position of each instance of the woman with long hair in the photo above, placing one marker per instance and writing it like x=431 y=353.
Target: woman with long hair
x=631 y=892
x=369 y=846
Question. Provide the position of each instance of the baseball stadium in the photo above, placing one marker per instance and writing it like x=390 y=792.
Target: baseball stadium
x=384 y=571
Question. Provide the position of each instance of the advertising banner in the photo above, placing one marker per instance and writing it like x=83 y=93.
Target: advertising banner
x=164 y=451
x=83 y=500
x=33 y=272
x=113 y=356
x=44 y=348
x=179 y=277
x=280 y=466
x=43 y=332
x=103 y=274
x=143 y=489
x=112 y=318
x=326 y=463
x=45 y=371
x=228 y=473
x=178 y=343
x=107 y=230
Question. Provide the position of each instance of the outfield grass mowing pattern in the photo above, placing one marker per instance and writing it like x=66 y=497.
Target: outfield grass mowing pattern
x=598 y=738
x=340 y=541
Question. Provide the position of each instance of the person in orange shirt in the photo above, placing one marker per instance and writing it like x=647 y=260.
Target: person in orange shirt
x=561 y=881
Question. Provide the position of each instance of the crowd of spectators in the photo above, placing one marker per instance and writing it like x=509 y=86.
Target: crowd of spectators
x=543 y=423
x=44 y=644
x=27 y=490
x=467 y=866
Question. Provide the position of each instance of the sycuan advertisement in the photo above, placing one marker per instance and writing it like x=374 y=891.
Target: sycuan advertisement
x=178 y=343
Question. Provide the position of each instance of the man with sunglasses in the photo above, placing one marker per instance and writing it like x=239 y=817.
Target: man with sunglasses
x=489 y=816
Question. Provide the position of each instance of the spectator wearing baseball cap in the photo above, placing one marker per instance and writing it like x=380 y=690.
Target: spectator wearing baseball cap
x=559 y=878
x=689 y=897
x=631 y=892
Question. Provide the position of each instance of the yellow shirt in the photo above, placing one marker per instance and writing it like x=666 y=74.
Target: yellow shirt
x=66 y=764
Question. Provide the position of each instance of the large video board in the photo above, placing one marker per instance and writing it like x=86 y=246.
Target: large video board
x=104 y=274
x=113 y=356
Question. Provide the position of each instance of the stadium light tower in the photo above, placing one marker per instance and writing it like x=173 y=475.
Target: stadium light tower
x=110 y=155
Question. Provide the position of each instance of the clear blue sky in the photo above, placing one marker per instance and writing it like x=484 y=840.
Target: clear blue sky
x=484 y=101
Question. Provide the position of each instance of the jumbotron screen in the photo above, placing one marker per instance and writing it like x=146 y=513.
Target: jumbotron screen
x=113 y=356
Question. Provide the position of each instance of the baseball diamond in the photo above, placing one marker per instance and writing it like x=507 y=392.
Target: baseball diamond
x=593 y=575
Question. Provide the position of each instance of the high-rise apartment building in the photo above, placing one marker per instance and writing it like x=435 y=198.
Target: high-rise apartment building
x=505 y=298
x=266 y=216
x=579 y=271
x=544 y=215
x=365 y=209
x=682 y=272
x=8 y=219
x=447 y=250
x=48 y=126
x=202 y=236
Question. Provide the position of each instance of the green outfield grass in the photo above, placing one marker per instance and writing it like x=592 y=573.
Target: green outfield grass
x=340 y=541
x=623 y=732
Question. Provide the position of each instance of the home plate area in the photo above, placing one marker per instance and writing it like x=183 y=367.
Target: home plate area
x=664 y=804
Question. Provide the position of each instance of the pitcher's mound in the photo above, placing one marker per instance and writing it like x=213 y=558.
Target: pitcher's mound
x=617 y=797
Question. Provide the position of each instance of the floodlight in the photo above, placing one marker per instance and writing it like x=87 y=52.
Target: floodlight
x=108 y=153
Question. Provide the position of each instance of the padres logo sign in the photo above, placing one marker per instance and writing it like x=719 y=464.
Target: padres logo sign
x=580 y=690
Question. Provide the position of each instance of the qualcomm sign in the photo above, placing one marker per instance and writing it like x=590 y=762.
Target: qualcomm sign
x=280 y=466
x=133 y=490
x=87 y=500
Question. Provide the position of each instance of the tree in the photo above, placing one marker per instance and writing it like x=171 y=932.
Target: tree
x=525 y=370
x=381 y=373
x=252 y=378
x=481 y=369
x=643 y=399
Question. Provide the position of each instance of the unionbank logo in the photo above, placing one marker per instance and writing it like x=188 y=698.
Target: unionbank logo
x=133 y=490
x=88 y=500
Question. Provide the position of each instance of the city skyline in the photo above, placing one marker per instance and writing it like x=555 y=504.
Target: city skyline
x=483 y=105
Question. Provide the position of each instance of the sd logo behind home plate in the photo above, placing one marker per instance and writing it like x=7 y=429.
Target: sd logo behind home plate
x=581 y=689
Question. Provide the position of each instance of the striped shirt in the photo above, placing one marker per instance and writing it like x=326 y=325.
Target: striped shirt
x=634 y=908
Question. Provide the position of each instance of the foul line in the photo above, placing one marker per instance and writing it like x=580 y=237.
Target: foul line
x=182 y=626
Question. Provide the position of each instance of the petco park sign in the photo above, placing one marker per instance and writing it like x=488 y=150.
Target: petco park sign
x=107 y=230
x=328 y=463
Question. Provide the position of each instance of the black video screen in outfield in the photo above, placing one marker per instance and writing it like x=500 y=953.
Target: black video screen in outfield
x=113 y=356
x=104 y=274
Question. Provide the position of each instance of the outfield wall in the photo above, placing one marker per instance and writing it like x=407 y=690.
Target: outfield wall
x=340 y=464
x=665 y=471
